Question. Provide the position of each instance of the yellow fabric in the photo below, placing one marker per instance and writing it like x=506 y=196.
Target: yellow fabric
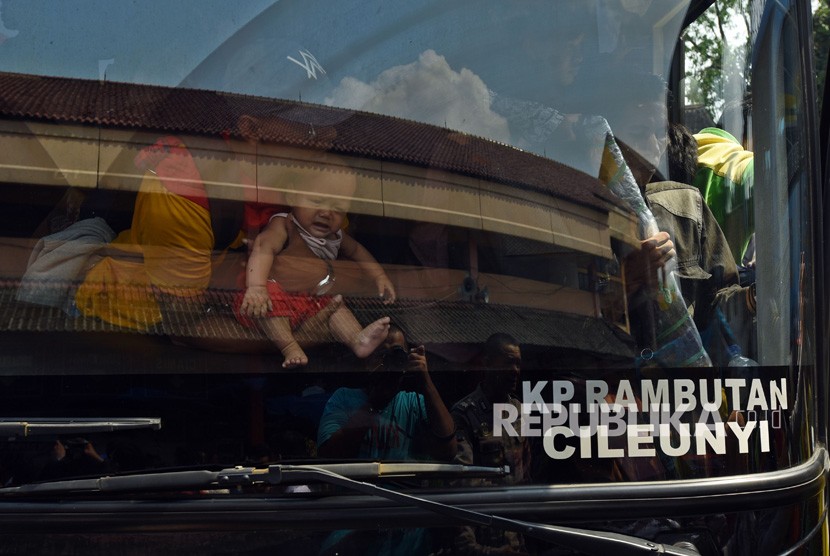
x=174 y=236
x=723 y=156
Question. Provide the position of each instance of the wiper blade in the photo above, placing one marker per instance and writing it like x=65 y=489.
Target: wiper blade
x=346 y=475
x=245 y=476
x=26 y=426
x=284 y=473
x=585 y=540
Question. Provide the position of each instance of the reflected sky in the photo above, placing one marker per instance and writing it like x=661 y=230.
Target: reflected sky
x=147 y=41
x=506 y=71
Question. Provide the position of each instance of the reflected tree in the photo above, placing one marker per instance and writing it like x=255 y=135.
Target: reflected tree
x=717 y=66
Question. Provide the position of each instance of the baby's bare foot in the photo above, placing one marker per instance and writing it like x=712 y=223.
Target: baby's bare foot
x=371 y=337
x=294 y=356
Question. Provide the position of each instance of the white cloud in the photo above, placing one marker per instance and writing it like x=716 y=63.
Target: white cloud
x=5 y=32
x=429 y=91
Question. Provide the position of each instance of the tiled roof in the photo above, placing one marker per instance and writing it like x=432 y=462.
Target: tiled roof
x=427 y=322
x=695 y=118
x=348 y=132
x=458 y=322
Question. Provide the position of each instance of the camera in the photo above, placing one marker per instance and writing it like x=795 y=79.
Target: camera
x=74 y=447
x=396 y=358
x=76 y=443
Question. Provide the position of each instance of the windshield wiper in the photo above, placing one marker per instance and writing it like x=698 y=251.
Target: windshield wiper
x=249 y=476
x=585 y=540
x=58 y=426
x=346 y=475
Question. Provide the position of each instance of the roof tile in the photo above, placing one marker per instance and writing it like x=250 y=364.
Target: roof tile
x=348 y=132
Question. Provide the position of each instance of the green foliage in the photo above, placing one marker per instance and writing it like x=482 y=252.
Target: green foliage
x=715 y=62
x=710 y=70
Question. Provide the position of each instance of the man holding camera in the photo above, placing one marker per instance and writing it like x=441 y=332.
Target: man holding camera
x=397 y=415
x=73 y=457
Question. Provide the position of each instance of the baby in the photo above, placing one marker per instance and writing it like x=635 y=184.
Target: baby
x=292 y=254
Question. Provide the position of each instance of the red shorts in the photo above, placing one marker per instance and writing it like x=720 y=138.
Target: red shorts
x=297 y=307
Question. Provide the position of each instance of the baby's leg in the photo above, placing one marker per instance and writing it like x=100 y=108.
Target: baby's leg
x=345 y=328
x=315 y=330
x=278 y=330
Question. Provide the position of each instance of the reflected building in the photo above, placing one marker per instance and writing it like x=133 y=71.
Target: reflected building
x=476 y=236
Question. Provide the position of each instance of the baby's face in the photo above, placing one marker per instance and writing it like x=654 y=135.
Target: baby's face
x=321 y=209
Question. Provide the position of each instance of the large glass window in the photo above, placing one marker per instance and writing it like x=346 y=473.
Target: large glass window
x=468 y=232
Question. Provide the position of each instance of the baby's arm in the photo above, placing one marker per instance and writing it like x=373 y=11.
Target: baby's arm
x=354 y=251
x=267 y=244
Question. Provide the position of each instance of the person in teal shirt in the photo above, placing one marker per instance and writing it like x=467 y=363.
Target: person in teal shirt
x=397 y=415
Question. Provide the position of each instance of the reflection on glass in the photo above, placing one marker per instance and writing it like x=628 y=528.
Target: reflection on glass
x=420 y=176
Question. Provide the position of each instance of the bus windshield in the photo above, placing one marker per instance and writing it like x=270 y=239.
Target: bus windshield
x=513 y=235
